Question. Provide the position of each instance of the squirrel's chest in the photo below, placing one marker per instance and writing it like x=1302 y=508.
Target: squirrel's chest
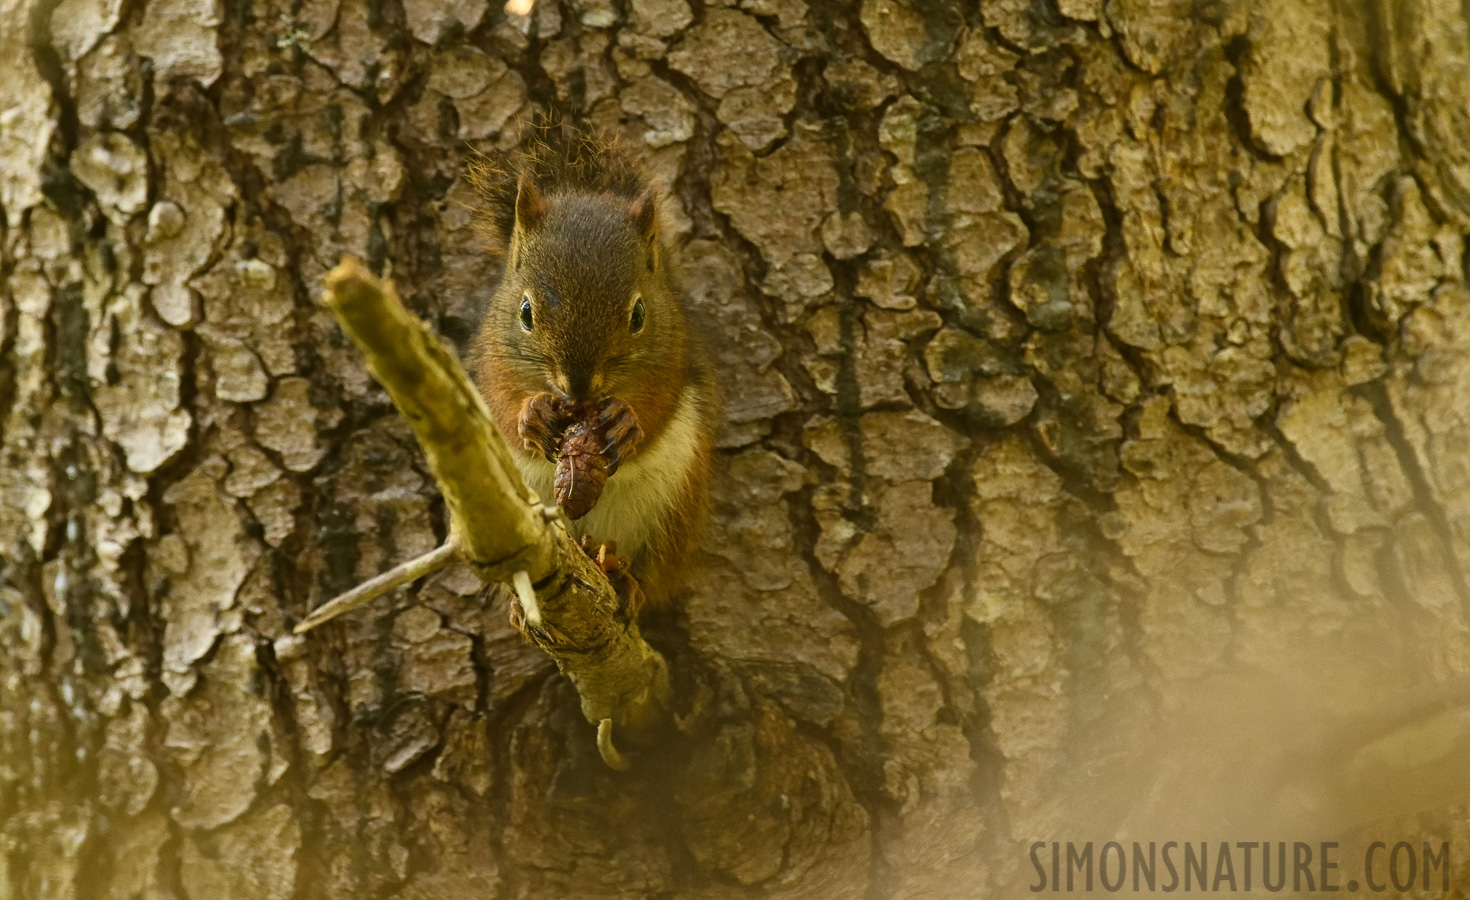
x=635 y=503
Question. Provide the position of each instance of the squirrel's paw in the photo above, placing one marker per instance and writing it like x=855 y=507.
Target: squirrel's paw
x=621 y=432
x=619 y=571
x=605 y=554
x=542 y=422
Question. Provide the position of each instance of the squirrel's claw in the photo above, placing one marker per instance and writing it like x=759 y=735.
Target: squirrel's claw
x=541 y=424
x=619 y=571
x=621 y=432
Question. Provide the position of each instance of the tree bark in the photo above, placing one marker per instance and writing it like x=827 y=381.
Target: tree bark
x=1094 y=442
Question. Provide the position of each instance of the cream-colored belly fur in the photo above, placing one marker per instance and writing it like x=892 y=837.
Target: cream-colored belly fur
x=635 y=500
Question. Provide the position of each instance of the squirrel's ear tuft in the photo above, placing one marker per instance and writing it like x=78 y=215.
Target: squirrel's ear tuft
x=530 y=204
x=641 y=210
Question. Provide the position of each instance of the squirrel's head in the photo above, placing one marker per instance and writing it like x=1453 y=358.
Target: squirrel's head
x=585 y=303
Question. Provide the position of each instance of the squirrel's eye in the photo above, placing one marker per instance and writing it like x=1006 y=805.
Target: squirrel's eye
x=635 y=324
x=526 y=321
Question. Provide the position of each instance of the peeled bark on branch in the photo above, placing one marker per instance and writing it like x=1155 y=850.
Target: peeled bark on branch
x=497 y=522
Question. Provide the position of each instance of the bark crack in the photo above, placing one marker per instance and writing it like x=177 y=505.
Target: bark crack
x=1424 y=493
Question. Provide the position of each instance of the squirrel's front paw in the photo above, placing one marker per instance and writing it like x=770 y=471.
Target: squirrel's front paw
x=543 y=421
x=619 y=571
x=590 y=452
x=587 y=443
x=621 y=432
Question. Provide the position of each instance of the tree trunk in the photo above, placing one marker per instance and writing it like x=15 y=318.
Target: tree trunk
x=1088 y=365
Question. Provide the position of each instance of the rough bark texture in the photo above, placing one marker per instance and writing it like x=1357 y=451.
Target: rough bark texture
x=1077 y=354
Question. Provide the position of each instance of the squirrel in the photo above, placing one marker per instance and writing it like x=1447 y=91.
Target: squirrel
x=589 y=316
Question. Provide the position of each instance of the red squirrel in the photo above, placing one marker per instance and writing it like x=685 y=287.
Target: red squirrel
x=588 y=323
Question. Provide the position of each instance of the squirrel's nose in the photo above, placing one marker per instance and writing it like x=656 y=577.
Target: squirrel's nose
x=578 y=386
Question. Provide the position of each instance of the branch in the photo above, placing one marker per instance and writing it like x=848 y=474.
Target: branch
x=387 y=582
x=498 y=524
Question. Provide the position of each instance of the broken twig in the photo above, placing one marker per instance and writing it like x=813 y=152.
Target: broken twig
x=374 y=588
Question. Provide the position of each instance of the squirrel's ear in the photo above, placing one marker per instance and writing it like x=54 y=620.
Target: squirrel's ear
x=530 y=204
x=642 y=211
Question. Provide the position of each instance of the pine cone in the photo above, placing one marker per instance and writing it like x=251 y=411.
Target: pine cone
x=589 y=445
x=582 y=466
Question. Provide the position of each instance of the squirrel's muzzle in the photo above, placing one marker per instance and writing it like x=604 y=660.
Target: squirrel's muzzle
x=579 y=385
